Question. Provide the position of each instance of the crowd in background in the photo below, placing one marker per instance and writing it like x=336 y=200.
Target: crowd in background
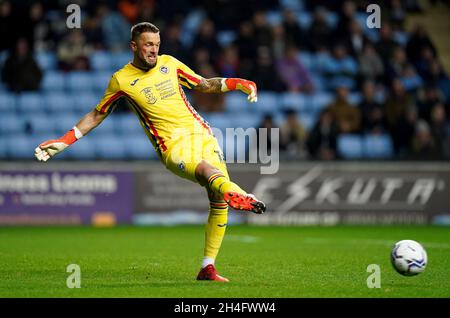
x=404 y=87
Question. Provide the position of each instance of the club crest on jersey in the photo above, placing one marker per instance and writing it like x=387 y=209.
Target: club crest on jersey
x=151 y=99
x=164 y=69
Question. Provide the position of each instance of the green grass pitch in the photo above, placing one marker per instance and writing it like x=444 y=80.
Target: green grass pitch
x=293 y=262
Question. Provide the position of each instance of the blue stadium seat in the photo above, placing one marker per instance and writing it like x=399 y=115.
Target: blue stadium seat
x=85 y=102
x=295 y=101
x=46 y=60
x=128 y=124
x=293 y=5
x=355 y=98
x=7 y=102
x=247 y=120
x=80 y=81
x=139 y=147
x=119 y=60
x=59 y=102
x=274 y=17
x=30 y=103
x=268 y=102
x=308 y=120
x=305 y=19
x=84 y=149
x=220 y=121
x=236 y=102
x=378 y=146
x=110 y=147
x=53 y=81
x=20 y=147
x=319 y=101
x=11 y=123
x=350 y=146
x=101 y=81
x=307 y=60
x=64 y=122
x=101 y=60
x=43 y=124
x=225 y=38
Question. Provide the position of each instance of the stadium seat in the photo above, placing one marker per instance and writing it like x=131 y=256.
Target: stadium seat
x=110 y=147
x=319 y=101
x=101 y=60
x=80 y=81
x=293 y=5
x=20 y=147
x=308 y=120
x=294 y=101
x=247 y=121
x=225 y=38
x=64 y=122
x=378 y=146
x=30 y=102
x=274 y=17
x=42 y=124
x=85 y=102
x=138 y=147
x=355 y=98
x=59 y=102
x=11 y=123
x=350 y=146
x=84 y=149
x=307 y=60
x=268 y=102
x=53 y=81
x=46 y=60
x=220 y=121
x=305 y=19
x=101 y=81
x=119 y=60
x=127 y=124
x=7 y=102
x=236 y=102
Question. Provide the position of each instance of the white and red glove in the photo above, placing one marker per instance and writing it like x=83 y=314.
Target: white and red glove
x=248 y=87
x=49 y=148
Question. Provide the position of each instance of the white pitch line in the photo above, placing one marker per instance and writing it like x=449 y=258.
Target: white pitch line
x=318 y=240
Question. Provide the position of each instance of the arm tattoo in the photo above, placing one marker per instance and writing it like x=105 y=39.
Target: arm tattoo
x=210 y=85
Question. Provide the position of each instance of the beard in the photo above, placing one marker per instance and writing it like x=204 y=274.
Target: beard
x=147 y=64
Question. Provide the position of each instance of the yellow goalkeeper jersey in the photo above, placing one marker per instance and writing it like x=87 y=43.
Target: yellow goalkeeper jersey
x=158 y=99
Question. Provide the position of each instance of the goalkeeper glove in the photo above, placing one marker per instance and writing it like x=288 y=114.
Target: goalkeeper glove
x=49 y=148
x=248 y=87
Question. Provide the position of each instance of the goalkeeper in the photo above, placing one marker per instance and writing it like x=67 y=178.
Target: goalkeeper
x=182 y=138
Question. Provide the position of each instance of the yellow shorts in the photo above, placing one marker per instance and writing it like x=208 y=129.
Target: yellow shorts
x=183 y=155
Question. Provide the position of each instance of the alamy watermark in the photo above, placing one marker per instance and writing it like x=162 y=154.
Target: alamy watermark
x=73 y=20
x=374 y=279
x=373 y=21
x=74 y=279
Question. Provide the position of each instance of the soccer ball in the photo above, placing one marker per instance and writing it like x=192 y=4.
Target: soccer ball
x=409 y=258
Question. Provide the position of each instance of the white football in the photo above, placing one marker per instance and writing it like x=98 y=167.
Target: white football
x=409 y=258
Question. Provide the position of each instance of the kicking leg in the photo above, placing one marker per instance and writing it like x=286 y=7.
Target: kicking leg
x=219 y=183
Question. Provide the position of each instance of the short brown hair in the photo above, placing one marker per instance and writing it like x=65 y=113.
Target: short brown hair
x=142 y=27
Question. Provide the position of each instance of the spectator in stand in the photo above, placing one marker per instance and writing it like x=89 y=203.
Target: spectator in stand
x=294 y=34
x=354 y=40
x=371 y=65
x=438 y=126
x=439 y=77
x=423 y=144
x=292 y=72
x=396 y=104
x=427 y=98
x=346 y=115
x=386 y=44
x=396 y=14
x=206 y=39
x=172 y=44
x=372 y=116
x=264 y=73
x=38 y=30
x=115 y=28
x=346 y=17
x=7 y=26
x=268 y=124
x=341 y=68
x=322 y=139
x=72 y=50
x=418 y=41
x=403 y=132
x=20 y=71
x=263 y=33
x=320 y=34
x=228 y=64
x=293 y=136
x=279 y=41
x=397 y=63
